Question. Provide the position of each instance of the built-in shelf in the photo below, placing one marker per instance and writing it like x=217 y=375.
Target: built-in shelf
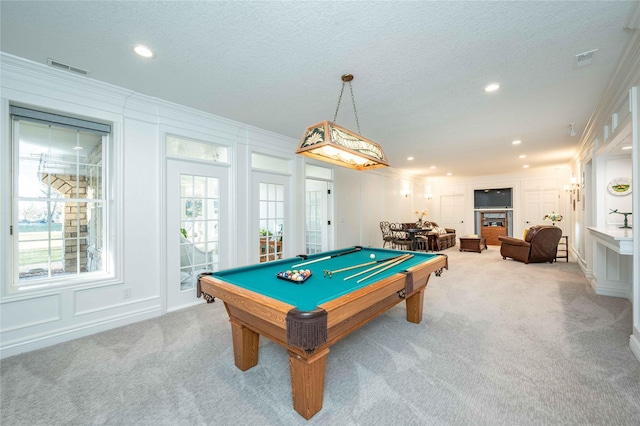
x=493 y=223
x=617 y=239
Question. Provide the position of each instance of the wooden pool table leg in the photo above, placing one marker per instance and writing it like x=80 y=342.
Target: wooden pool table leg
x=245 y=346
x=414 y=306
x=307 y=382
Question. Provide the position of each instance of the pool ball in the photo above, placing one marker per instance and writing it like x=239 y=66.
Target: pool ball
x=372 y=256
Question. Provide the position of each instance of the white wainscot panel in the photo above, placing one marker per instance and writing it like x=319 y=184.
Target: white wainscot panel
x=98 y=299
x=27 y=313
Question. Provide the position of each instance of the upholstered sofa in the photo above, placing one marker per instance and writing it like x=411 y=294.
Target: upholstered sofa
x=443 y=238
x=439 y=238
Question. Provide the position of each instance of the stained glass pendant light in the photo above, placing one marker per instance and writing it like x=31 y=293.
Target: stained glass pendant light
x=327 y=141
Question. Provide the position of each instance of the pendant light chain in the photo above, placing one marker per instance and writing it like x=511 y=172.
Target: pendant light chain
x=354 y=109
x=353 y=101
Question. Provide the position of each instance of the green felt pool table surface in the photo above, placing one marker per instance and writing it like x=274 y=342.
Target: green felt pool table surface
x=318 y=289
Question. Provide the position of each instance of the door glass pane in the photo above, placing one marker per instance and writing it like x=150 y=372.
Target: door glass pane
x=314 y=218
x=199 y=226
x=271 y=221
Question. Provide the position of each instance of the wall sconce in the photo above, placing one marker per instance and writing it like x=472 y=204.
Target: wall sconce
x=428 y=195
x=573 y=185
x=405 y=194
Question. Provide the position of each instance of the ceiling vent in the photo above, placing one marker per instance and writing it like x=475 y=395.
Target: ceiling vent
x=62 y=66
x=584 y=59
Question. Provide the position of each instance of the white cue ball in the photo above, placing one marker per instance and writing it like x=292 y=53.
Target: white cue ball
x=373 y=256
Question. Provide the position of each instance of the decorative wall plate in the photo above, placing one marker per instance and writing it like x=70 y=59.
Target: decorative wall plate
x=619 y=186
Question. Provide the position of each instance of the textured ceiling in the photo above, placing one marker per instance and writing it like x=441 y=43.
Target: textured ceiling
x=420 y=67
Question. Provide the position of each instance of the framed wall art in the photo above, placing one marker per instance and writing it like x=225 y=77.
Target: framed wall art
x=619 y=186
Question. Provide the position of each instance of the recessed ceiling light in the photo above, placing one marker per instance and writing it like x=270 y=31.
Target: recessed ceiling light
x=526 y=166
x=143 y=51
x=516 y=142
x=433 y=167
x=410 y=158
x=492 y=87
x=78 y=148
x=449 y=174
x=626 y=147
x=522 y=156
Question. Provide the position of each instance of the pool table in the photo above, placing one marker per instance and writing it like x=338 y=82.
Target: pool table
x=307 y=318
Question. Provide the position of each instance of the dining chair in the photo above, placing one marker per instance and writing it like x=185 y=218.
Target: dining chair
x=387 y=235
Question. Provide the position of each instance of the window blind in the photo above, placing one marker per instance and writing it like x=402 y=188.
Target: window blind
x=21 y=113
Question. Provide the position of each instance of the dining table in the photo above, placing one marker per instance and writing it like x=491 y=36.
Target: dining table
x=413 y=236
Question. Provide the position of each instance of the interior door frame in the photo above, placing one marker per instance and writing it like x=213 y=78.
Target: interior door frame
x=447 y=221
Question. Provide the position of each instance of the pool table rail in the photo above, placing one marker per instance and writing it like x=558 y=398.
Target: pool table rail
x=272 y=310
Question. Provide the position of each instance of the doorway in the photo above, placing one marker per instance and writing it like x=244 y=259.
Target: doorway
x=271 y=203
x=317 y=216
x=197 y=223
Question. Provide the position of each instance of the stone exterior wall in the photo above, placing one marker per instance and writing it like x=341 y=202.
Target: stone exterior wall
x=74 y=220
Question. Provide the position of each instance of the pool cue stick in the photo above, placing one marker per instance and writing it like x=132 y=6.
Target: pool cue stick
x=326 y=258
x=397 y=262
x=377 y=266
x=362 y=265
x=387 y=262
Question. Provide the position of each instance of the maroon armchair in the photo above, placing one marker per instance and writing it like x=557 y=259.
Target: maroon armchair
x=540 y=245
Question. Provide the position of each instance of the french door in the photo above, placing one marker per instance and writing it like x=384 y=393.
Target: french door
x=317 y=216
x=271 y=205
x=197 y=227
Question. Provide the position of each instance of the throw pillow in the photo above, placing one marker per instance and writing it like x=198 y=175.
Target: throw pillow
x=440 y=230
x=524 y=237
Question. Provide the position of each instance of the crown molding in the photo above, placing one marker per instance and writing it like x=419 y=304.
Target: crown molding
x=625 y=76
x=633 y=22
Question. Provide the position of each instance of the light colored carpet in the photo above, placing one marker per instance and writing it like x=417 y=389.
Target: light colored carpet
x=501 y=343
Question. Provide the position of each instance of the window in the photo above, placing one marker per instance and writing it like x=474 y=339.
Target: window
x=187 y=148
x=59 y=205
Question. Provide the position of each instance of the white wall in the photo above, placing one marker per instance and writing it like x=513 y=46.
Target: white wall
x=614 y=121
x=365 y=199
x=41 y=317
x=614 y=168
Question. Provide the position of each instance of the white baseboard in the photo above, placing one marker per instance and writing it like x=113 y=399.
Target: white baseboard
x=634 y=344
x=83 y=330
x=614 y=292
x=186 y=305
